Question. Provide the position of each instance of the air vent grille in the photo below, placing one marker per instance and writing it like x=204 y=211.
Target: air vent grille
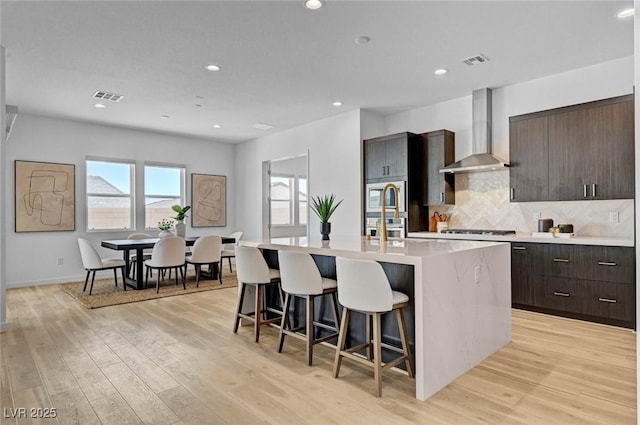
x=262 y=126
x=475 y=59
x=104 y=95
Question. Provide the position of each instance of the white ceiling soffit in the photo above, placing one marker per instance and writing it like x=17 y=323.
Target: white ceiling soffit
x=283 y=64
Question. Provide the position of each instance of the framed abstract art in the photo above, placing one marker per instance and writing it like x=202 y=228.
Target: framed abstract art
x=44 y=196
x=208 y=200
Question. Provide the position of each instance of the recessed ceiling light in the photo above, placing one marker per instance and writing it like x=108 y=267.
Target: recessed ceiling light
x=626 y=13
x=212 y=67
x=313 y=4
x=440 y=71
x=217 y=126
x=363 y=39
x=337 y=103
x=164 y=117
x=99 y=105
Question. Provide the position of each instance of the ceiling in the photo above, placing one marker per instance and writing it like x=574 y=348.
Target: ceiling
x=282 y=64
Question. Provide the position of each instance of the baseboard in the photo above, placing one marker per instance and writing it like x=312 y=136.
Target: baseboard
x=61 y=279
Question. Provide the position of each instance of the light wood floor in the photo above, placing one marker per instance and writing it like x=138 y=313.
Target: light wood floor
x=176 y=361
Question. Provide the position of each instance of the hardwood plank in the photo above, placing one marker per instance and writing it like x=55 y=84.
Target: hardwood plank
x=23 y=372
x=53 y=370
x=72 y=407
x=145 y=368
x=113 y=410
x=188 y=408
x=88 y=375
x=144 y=402
x=36 y=398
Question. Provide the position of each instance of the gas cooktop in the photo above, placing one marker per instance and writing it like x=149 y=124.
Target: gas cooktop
x=479 y=232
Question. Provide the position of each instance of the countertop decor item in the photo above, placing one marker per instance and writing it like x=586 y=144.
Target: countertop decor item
x=165 y=226
x=324 y=207
x=181 y=214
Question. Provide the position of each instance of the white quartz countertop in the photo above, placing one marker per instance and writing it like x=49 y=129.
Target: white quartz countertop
x=527 y=237
x=402 y=251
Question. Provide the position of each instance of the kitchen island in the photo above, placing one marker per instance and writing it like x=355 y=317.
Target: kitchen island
x=460 y=293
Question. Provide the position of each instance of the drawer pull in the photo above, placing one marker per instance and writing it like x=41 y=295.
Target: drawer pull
x=560 y=260
x=584 y=191
x=593 y=190
x=607 y=263
x=561 y=294
x=442 y=197
x=520 y=248
x=513 y=193
x=607 y=300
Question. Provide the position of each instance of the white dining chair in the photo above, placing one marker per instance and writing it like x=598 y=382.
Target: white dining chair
x=92 y=262
x=134 y=258
x=229 y=249
x=167 y=254
x=206 y=251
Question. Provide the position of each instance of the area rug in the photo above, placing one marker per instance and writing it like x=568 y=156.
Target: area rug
x=106 y=294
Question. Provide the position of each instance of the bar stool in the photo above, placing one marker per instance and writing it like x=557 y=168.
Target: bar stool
x=363 y=286
x=252 y=270
x=301 y=278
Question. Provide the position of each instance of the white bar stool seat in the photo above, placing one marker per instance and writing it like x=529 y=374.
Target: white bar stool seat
x=252 y=270
x=301 y=278
x=363 y=286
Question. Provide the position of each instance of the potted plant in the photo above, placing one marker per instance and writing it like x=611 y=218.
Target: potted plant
x=324 y=207
x=181 y=214
x=165 y=226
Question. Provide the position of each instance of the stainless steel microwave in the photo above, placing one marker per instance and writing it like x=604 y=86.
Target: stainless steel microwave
x=373 y=197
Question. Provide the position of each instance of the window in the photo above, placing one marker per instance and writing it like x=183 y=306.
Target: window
x=109 y=200
x=164 y=186
x=287 y=192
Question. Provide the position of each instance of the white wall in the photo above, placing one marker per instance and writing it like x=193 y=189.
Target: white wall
x=3 y=197
x=333 y=145
x=32 y=258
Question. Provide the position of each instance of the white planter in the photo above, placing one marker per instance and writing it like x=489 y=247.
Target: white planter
x=181 y=229
x=165 y=234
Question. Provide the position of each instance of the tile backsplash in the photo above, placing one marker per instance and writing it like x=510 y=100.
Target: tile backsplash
x=482 y=202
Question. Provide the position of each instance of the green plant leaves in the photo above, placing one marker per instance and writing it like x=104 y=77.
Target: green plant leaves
x=324 y=206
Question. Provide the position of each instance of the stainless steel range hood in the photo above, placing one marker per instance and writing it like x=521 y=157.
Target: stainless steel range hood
x=481 y=159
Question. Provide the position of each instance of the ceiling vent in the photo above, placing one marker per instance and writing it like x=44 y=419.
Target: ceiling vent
x=100 y=94
x=475 y=59
x=262 y=126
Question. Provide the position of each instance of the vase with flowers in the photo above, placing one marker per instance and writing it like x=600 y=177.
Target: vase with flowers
x=165 y=226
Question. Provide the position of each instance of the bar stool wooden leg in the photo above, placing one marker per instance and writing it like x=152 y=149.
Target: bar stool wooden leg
x=284 y=323
x=377 y=355
x=405 y=341
x=342 y=337
x=239 y=308
x=258 y=312
x=310 y=328
x=367 y=331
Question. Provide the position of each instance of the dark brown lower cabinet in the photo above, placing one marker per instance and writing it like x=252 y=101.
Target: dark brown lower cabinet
x=594 y=283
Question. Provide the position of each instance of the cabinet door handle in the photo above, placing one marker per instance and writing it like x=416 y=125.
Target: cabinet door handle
x=513 y=193
x=388 y=170
x=584 y=191
x=561 y=294
x=607 y=263
x=384 y=170
x=593 y=190
x=442 y=197
x=608 y=300
x=520 y=248
x=560 y=260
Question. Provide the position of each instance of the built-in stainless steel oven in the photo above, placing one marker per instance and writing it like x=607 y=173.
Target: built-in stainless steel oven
x=395 y=227
x=373 y=197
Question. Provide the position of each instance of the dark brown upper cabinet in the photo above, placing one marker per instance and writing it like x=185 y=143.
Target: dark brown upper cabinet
x=386 y=157
x=440 y=152
x=578 y=152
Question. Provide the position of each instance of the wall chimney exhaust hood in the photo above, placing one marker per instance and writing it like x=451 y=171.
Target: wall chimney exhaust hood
x=481 y=159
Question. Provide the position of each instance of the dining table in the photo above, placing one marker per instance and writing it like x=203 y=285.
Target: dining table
x=139 y=245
